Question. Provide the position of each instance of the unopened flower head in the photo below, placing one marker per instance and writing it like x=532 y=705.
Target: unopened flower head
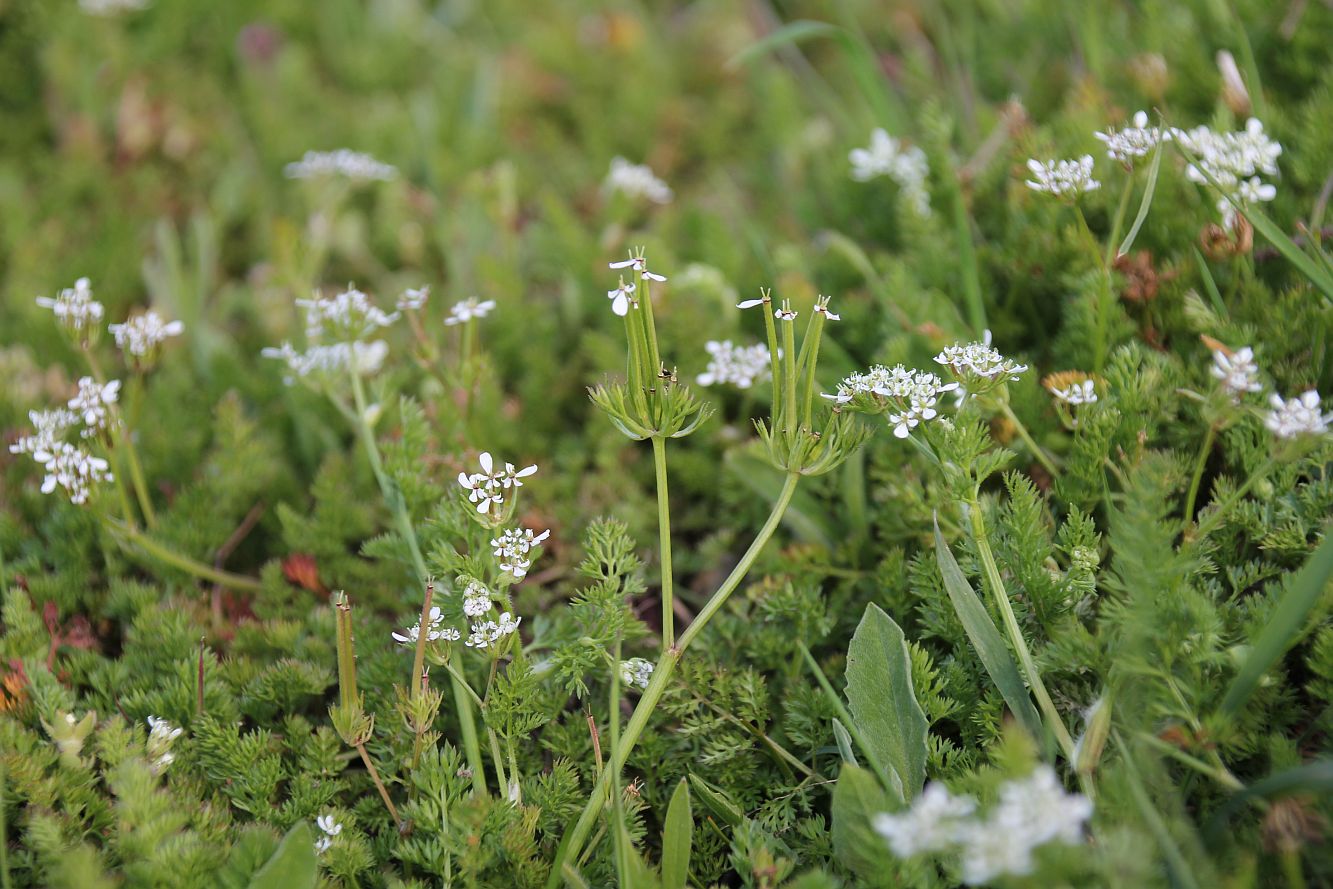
x=487 y=488
x=433 y=630
x=739 y=366
x=1071 y=387
x=905 y=165
x=636 y=181
x=413 y=299
x=140 y=336
x=330 y=362
x=906 y=397
x=75 y=308
x=932 y=824
x=488 y=633
x=1299 y=415
x=1236 y=372
x=1132 y=142
x=343 y=162
x=348 y=316
x=640 y=265
x=467 y=309
x=636 y=671
x=93 y=403
x=1063 y=178
x=513 y=549
x=48 y=427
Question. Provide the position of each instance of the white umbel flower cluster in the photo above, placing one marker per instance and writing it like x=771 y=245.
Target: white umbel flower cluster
x=347 y=316
x=329 y=827
x=739 y=366
x=413 y=300
x=905 y=165
x=330 y=361
x=435 y=630
x=487 y=633
x=476 y=600
x=48 y=427
x=1063 y=177
x=908 y=396
x=111 y=7
x=69 y=466
x=92 y=404
x=636 y=181
x=74 y=307
x=979 y=361
x=1076 y=393
x=487 y=488
x=161 y=735
x=1132 y=142
x=1030 y=813
x=141 y=335
x=465 y=310
x=514 y=548
x=343 y=162
x=636 y=671
x=339 y=328
x=74 y=469
x=1234 y=161
x=1236 y=373
x=1299 y=415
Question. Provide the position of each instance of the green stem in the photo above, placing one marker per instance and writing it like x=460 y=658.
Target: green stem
x=133 y=535
x=1103 y=291
x=664 y=543
x=393 y=498
x=1204 y=450
x=1054 y=722
x=498 y=757
x=1215 y=517
x=789 y=419
x=122 y=442
x=1113 y=242
x=1037 y=451
x=379 y=785
x=573 y=840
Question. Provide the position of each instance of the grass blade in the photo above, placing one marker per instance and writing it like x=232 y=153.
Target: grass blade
x=1145 y=203
x=790 y=33
x=677 y=838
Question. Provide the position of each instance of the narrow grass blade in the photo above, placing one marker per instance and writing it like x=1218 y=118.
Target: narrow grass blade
x=1318 y=275
x=1300 y=597
x=1145 y=203
x=844 y=742
x=986 y=639
x=1214 y=295
x=677 y=838
x=716 y=801
x=790 y=33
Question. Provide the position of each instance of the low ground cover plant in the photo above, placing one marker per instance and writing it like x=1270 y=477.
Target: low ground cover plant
x=665 y=446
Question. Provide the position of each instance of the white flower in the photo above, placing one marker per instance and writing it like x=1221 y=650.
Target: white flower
x=412 y=300
x=1076 y=393
x=433 y=631
x=740 y=366
x=1297 y=416
x=111 y=7
x=329 y=825
x=322 y=845
x=348 y=316
x=92 y=403
x=486 y=488
x=906 y=396
x=450 y=634
x=489 y=632
x=47 y=426
x=343 y=162
x=73 y=469
x=1031 y=812
x=785 y=312
x=330 y=361
x=1237 y=373
x=1063 y=177
x=161 y=735
x=74 y=307
x=636 y=671
x=513 y=547
x=640 y=265
x=979 y=360
x=821 y=308
x=142 y=333
x=468 y=309
x=1133 y=141
x=932 y=824
x=751 y=303
x=636 y=181
x=1234 y=162
x=621 y=297
x=476 y=602
x=886 y=156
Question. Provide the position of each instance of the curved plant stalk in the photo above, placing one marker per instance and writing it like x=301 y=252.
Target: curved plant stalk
x=129 y=534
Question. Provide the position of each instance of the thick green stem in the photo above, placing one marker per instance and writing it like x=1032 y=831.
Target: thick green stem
x=162 y=553
x=393 y=498
x=664 y=543
x=573 y=840
x=1199 y=463
x=1054 y=722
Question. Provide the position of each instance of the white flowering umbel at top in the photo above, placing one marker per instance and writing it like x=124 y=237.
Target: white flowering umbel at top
x=339 y=331
x=1063 y=178
x=343 y=163
x=1130 y=143
x=1232 y=163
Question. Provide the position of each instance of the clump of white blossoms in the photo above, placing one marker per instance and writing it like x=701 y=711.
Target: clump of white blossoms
x=739 y=366
x=330 y=361
x=347 y=316
x=1063 y=178
x=636 y=671
x=1234 y=161
x=141 y=335
x=487 y=488
x=1076 y=393
x=342 y=162
x=434 y=630
x=69 y=466
x=513 y=549
x=74 y=307
x=905 y=165
x=1236 y=372
x=636 y=181
x=476 y=600
x=1135 y=141
x=906 y=397
x=488 y=633
x=1299 y=415
x=979 y=362
x=111 y=7
x=48 y=427
x=638 y=264
x=161 y=735
x=92 y=404
x=467 y=309
x=1030 y=813
x=73 y=469
x=413 y=299
x=330 y=828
